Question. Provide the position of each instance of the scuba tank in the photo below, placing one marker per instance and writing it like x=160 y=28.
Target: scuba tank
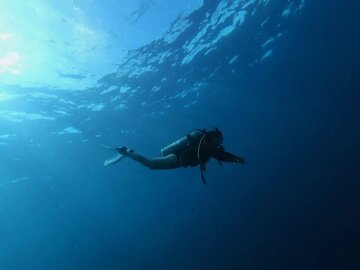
x=182 y=143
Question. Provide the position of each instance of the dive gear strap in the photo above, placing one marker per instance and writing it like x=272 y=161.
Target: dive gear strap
x=202 y=164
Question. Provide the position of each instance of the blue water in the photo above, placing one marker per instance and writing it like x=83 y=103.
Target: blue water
x=279 y=78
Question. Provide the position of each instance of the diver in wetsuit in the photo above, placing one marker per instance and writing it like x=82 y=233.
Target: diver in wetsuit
x=194 y=149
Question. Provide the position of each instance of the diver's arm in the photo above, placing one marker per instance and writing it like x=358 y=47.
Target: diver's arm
x=222 y=155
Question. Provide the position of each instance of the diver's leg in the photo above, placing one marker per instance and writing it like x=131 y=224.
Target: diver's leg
x=160 y=163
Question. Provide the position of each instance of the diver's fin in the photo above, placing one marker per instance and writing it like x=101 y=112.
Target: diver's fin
x=113 y=159
x=109 y=147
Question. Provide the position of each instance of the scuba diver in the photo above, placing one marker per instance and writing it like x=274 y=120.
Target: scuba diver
x=194 y=149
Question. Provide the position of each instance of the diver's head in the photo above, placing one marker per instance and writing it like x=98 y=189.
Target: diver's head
x=215 y=137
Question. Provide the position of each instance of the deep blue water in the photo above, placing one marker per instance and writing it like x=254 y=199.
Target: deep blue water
x=283 y=87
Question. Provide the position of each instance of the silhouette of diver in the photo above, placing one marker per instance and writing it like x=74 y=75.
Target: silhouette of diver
x=194 y=149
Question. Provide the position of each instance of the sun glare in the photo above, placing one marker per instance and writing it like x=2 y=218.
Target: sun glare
x=5 y=96
x=10 y=63
x=5 y=36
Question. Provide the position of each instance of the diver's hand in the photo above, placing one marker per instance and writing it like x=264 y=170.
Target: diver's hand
x=240 y=160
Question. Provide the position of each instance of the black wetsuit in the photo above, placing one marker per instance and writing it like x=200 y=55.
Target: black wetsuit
x=198 y=152
x=189 y=157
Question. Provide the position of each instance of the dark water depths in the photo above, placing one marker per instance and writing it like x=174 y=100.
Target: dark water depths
x=280 y=79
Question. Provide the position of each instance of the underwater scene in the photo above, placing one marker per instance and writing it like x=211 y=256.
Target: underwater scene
x=166 y=134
